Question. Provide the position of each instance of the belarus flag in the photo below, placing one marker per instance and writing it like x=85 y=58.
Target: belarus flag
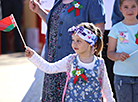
x=8 y=23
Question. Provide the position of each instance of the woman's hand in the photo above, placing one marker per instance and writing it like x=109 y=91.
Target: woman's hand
x=29 y=52
x=34 y=6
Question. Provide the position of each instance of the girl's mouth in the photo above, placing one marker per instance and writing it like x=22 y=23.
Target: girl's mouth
x=75 y=48
x=130 y=14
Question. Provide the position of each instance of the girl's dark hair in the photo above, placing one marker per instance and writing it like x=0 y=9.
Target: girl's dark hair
x=121 y=2
x=99 y=43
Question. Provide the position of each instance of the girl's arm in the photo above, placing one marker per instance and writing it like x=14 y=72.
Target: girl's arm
x=50 y=68
x=111 y=51
x=106 y=87
x=36 y=8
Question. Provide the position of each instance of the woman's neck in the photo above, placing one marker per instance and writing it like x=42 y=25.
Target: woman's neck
x=130 y=22
x=67 y=1
x=87 y=59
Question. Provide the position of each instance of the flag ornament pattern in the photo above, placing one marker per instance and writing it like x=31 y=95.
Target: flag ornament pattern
x=8 y=23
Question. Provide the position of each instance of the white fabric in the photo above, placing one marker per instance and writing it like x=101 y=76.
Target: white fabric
x=61 y=66
x=43 y=27
x=108 y=5
x=47 y=5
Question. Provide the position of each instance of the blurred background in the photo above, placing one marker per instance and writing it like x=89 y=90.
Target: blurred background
x=30 y=28
x=16 y=72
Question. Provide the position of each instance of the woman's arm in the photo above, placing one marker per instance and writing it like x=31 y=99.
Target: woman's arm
x=36 y=8
x=100 y=26
x=96 y=13
x=116 y=14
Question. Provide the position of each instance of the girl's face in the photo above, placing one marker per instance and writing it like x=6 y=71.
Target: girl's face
x=80 y=46
x=129 y=9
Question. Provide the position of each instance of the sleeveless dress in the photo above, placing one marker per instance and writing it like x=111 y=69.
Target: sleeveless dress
x=53 y=83
x=81 y=91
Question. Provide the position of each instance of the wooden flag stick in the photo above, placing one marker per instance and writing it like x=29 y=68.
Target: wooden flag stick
x=19 y=32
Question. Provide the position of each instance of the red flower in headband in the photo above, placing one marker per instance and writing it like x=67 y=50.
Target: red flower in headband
x=84 y=33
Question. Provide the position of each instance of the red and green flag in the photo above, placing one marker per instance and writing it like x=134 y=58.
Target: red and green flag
x=7 y=23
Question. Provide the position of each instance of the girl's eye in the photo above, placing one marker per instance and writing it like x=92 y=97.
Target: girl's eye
x=133 y=6
x=125 y=7
x=78 y=41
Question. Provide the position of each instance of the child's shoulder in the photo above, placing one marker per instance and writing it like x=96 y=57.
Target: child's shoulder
x=117 y=24
x=70 y=59
x=101 y=63
x=101 y=60
x=70 y=56
x=116 y=27
x=101 y=68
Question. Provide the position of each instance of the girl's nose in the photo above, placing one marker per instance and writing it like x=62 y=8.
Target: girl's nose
x=130 y=9
x=74 y=42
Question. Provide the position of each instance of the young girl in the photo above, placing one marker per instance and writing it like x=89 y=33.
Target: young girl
x=86 y=72
x=123 y=42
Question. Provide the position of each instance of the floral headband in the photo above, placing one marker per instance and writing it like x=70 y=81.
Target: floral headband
x=84 y=33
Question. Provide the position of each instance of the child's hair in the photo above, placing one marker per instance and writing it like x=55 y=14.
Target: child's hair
x=99 y=43
x=121 y=2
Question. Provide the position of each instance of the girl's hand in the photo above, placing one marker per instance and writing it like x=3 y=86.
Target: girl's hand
x=123 y=56
x=29 y=52
x=34 y=6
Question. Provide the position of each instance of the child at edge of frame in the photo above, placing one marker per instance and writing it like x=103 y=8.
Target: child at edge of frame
x=122 y=48
x=87 y=79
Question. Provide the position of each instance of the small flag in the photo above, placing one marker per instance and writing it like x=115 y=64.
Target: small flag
x=7 y=24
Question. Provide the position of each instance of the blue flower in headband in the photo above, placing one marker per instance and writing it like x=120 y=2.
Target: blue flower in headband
x=84 y=33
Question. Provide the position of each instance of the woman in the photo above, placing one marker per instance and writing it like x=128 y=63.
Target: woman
x=63 y=15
